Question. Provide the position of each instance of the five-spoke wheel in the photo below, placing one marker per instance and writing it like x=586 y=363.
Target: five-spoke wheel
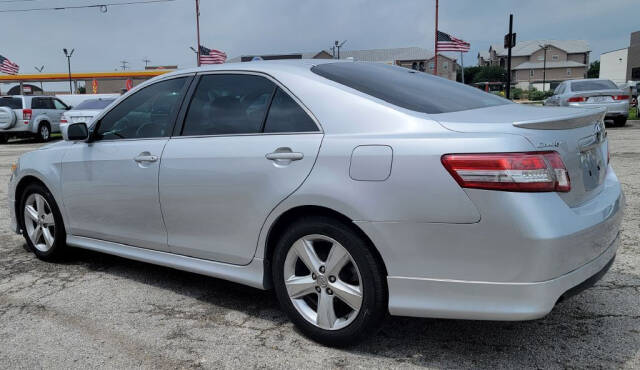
x=328 y=280
x=41 y=222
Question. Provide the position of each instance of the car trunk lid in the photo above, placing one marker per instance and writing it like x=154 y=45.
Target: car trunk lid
x=578 y=135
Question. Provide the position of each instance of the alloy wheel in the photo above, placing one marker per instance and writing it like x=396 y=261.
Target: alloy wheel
x=39 y=222
x=323 y=282
x=44 y=132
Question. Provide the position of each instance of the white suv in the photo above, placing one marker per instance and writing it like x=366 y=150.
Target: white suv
x=22 y=116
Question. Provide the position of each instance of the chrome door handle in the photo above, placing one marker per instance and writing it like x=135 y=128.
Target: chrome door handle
x=285 y=156
x=146 y=158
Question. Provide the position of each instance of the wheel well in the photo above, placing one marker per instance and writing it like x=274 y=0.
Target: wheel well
x=24 y=182
x=44 y=122
x=290 y=216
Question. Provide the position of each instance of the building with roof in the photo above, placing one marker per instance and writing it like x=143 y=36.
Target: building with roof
x=613 y=65
x=410 y=57
x=535 y=61
x=633 y=57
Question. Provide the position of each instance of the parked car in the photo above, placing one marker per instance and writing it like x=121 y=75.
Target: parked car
x=23 y=116
x=352 y=189
x=86 y=110
x=593 y=93
x=73 y=100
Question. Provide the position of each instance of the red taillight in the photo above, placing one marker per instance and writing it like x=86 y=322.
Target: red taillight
x=620 y=97
x=577 y=99
x=26 y=116
x=63 y=120
x=530 y=171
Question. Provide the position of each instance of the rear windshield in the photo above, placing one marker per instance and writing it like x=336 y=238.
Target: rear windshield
x=407 y=88
x=587 y=85
x=93 y=104
x=13 y=103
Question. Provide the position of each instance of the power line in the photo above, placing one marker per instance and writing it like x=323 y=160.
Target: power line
x=100 y=6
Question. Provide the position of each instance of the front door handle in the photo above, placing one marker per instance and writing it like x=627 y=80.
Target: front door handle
x=146 y=158
x=285 y=156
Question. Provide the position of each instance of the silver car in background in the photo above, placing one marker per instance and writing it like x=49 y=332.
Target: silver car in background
x=593 y=93
x=86 y=110
x=351 y=189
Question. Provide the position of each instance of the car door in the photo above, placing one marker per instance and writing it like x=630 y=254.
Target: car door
x=110 y=184
x=58 y=109
x=233 y=162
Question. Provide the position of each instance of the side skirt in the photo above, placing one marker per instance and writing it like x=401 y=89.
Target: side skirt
x=251 y=274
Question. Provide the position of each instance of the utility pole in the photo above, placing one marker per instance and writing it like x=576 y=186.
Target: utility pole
x=435 y=65
x=337 y=45
x=511 y=39
x=544 y=66
x=68 y=55
x=124 y=64
x=146 y=62
x=198 y=32
x=40 y=71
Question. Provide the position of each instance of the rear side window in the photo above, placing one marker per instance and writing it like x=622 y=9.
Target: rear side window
x=285 y=115
x=587 y=85
x=226 y=104
x=93 y=104
x=406 y=88
x=12 y=103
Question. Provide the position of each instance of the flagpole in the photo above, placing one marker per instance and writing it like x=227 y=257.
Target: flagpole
x=435 y=66
x=198 y=31
x=462 y=63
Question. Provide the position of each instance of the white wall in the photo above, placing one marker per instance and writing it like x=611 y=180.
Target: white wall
x=613 y=65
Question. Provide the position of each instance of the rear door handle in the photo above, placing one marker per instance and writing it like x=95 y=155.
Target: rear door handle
x=285 y=156
x=146 y=158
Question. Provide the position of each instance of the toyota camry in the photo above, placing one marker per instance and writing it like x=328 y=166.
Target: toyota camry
x=353 y=190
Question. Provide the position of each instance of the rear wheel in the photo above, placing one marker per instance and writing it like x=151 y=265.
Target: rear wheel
x=44 y=131
x=4 y=138
x=41 y=223
x=328 y=281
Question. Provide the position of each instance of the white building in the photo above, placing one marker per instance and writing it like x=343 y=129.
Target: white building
x=613 y=65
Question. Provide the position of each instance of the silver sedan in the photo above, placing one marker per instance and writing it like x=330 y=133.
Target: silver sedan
x=351 y=189
x=593 y=93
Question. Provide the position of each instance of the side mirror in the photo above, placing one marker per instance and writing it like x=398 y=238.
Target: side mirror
x=74 y=131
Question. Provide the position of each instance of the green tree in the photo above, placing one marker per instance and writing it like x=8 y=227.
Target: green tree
x=594 y=70
x=469 y=73
x=490 y=74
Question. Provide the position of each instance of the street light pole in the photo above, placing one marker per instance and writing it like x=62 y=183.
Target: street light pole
x=40 y=71
x=68 y=55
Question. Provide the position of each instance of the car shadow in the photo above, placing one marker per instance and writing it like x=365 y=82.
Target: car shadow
x=589 y=329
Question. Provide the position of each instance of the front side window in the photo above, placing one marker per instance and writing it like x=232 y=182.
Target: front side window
x=38 y=103
x=285 y=115
x=147 y=113
x=227 y=104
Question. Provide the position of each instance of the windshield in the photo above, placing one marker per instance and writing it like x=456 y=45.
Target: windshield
x=587 y=85
x=10 y=102
x=407 y=88
x=93 y=104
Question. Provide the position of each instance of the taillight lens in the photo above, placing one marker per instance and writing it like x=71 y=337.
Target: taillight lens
x=620 y=97
x=528 y=172
x=576 y=99
x=63 y=120
x=26 y=116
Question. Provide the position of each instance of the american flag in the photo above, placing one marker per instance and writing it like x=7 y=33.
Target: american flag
x=8 y=67
x=447 y=42
x=209 y=56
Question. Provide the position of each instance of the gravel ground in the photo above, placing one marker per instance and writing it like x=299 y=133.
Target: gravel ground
x=102 y=311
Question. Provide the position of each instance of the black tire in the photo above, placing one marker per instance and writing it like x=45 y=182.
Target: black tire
x=4 y=138
x=374 y=289
x=44 y=131
x=59 y=248
x=620 y=122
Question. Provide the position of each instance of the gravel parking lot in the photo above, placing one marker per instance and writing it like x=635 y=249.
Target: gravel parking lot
x=97 y=310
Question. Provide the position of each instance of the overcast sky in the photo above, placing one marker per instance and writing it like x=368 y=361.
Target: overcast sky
x=163 y=32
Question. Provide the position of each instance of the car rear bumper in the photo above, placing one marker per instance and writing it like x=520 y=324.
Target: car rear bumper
x=612 y=109
x=478 y=300
x=514 y=264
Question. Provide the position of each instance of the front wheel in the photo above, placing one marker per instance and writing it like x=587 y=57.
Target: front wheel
x=41 y=222
x=328 y=281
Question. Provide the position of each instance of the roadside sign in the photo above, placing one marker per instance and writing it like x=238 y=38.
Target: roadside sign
x=129 y=84
x=508 y=44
